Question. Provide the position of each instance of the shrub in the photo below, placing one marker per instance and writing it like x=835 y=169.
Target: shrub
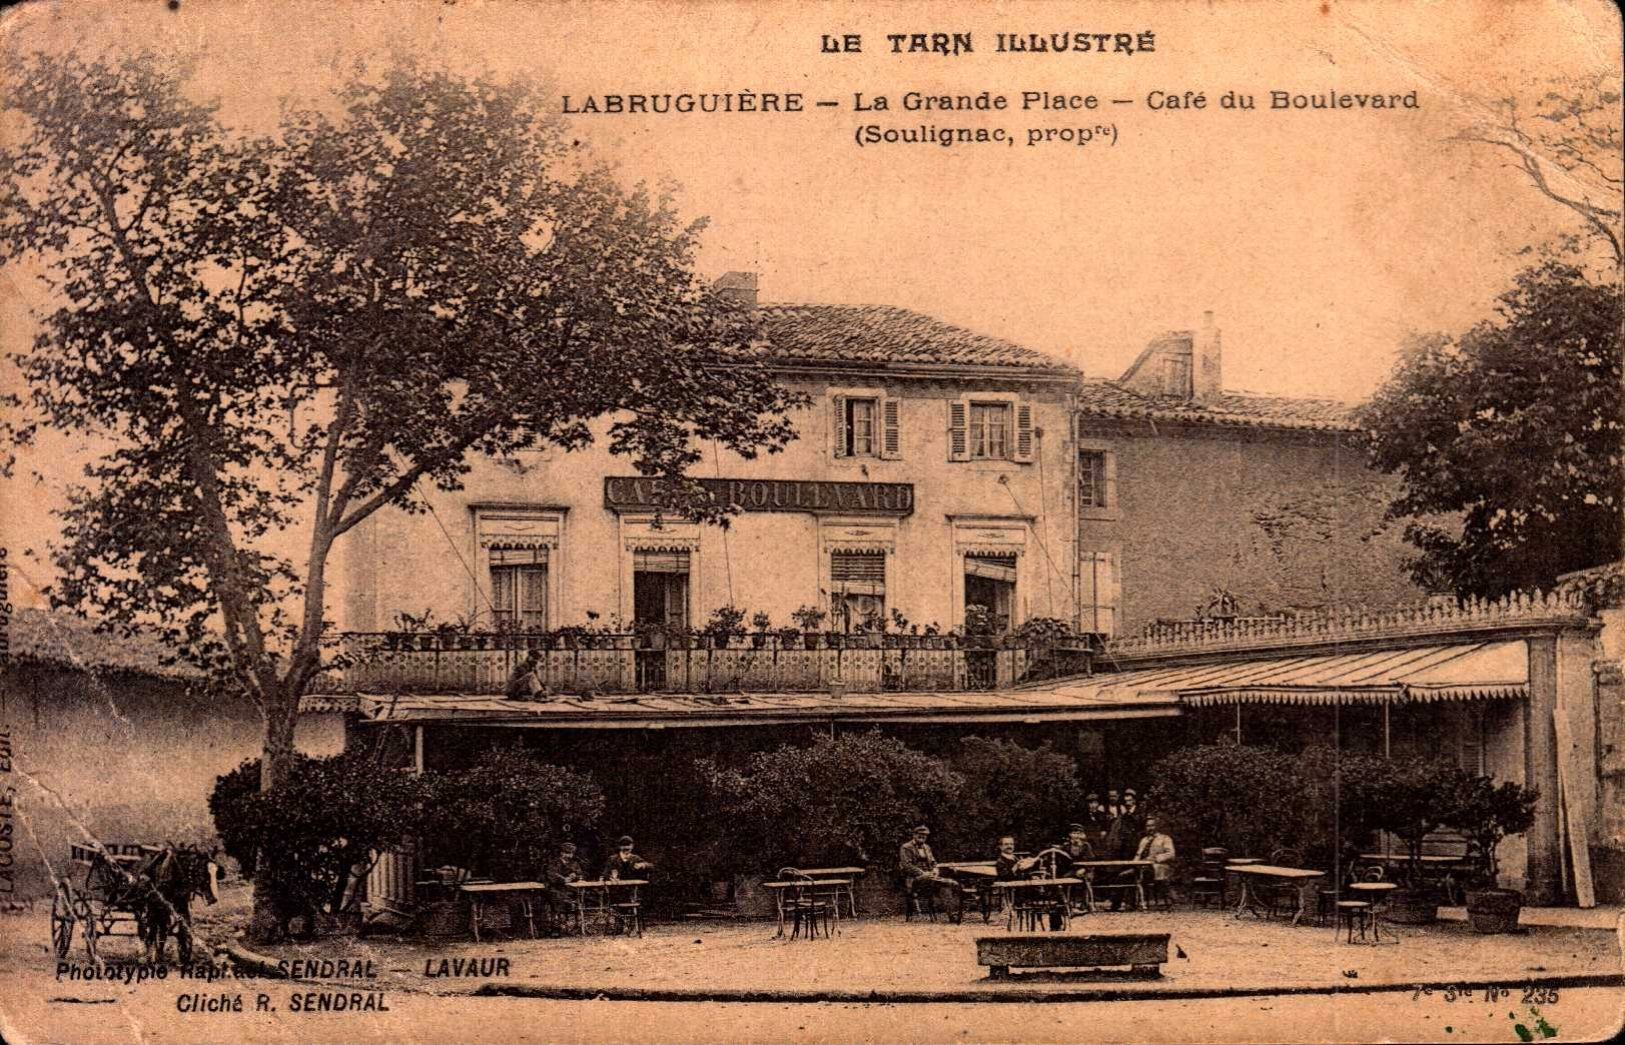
x=333 y=815
x=1408 y=799
x=1030 y=792
x=504 y=816
x=852 y=798
x=1487 y=812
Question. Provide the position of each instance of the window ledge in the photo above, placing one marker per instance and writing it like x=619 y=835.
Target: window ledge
x=1097 y=514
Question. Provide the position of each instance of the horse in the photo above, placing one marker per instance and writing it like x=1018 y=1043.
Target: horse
x=169 y=879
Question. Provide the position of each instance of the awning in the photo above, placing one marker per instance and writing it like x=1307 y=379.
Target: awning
x=1473 y=671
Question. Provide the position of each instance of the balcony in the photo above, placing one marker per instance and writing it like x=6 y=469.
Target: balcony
x=482 y=663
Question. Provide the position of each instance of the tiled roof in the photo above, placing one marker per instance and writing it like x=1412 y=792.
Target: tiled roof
x=866 y=335
x=63 y=639
x=1247 y=409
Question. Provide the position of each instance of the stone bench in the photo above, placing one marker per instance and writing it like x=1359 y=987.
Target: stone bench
x=1144 y=953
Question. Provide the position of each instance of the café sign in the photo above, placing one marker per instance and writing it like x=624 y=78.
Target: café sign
x=623 y=494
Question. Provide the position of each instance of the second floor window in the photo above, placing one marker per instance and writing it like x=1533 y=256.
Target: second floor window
x=860 y=427
x=1092 y=479
x=990 y=431
x=519 y=588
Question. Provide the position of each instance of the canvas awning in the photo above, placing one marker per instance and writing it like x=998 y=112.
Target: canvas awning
x=1468 y=671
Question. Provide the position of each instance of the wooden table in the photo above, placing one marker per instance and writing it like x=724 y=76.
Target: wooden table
x=830 y=887
x=599 y=897
x=852 y=873
x=1060 y=902
x=1116 y=865
x=481 y=893
x=1301 y=878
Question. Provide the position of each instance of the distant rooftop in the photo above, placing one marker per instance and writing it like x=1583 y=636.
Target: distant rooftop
x=66 y=640
x=866 y=335
x=1246 y=409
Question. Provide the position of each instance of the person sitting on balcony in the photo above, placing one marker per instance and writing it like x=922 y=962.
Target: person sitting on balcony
x=624 y=863
x=526 y=680
x=1159 y=849
x=918 y=867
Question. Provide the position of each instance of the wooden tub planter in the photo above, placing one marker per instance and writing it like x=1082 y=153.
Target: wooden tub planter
x=1143 y=953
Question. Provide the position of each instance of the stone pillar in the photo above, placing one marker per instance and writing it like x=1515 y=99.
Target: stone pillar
x=1545 y=885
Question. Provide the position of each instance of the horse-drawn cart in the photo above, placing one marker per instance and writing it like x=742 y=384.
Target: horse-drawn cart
x=129 y=889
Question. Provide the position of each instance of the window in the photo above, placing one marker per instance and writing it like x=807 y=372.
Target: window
x=660 y=587
x=519 y=588
x=858 y=581
x=1098 y=593
x=860 y=427
x=990 y=583
x=989 y=431
x=1176 y=377
x=1092 y=479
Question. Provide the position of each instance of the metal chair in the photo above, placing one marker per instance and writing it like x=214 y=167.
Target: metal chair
x=803 y=906
x=1277 y=894
x=1208 y=882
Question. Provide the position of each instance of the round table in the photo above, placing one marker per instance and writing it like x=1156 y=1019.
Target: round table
x=1375 y=893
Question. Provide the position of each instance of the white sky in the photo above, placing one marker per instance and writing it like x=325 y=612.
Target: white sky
x=1318 y=239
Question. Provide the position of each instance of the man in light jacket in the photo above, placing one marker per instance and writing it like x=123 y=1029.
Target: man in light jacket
x=1159 y=849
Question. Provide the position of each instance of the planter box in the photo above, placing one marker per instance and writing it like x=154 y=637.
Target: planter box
x=1494 y=910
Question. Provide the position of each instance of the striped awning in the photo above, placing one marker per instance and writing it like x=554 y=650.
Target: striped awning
x=1471 y=671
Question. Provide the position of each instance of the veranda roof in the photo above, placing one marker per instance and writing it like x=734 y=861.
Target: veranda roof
x=1468 y=671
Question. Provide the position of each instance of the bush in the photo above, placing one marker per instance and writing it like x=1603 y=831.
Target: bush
x=838 y=801
x=1409 y=799
x=1487 y=812
x=1032 y=793
x=332 y=815
x=1226 y=794
x=504 y=816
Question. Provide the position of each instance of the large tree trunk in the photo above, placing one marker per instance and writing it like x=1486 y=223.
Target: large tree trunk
x=276 y=768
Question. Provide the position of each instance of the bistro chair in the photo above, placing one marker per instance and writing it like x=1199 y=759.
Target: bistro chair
x=1208 y=882
x=803 y=907
x=917 y=902
x=1281 y=896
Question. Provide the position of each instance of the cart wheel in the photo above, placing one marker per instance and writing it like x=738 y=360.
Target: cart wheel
x=87 y=923
x=62 y=920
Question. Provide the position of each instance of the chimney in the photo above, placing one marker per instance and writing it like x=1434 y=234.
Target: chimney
x=737 y=287
x=1207 y=379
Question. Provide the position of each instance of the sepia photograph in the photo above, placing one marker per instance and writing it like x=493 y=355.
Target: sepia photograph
x=721 y=521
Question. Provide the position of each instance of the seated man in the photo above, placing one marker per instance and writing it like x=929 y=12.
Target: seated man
x=918 y=866
x=526 y=680
x=1007 y=866
x=559 y=872
x=1077 y=845
x=1159 y=849
x=624 y=863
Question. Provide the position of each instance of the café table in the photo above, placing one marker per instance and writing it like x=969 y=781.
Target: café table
x=606 y=898
x=852 y=873
x=481 y=893
x=1238 y=861
x=1376 y=894
x=1113 y=866
x=1036 y=896
x=1301 y=878
x=831 y=888
x=977 y=874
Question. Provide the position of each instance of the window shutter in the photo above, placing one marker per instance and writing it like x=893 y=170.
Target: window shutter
x=838 y=427
x=958 y=430
x=1111 y=479
x=1024 y=432
x=1114 y=593
x=891 y=444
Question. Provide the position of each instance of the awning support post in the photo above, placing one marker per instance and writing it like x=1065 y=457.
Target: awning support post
x=1387 y=734
x=1238 y=723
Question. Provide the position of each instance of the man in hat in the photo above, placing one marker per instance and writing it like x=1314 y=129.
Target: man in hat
x=561 y=870
x=918 y=866
x=1123 y=839
x=1158 y=848
x=624 y=863
x=1077 y=845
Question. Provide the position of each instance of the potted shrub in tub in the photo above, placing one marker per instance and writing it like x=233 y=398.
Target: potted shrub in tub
x=809 y=619
x=1410 y=799
x=1487 y=812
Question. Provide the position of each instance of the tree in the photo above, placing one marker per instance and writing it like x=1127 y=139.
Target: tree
x=298 y=330
x=1032 y=793
x=1515 y=429
x=1568 y=144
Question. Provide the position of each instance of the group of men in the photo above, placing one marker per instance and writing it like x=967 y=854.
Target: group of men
x=1116 y=829
x=565 y=867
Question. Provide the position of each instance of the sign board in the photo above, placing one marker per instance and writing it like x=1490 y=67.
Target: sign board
x=638 y=493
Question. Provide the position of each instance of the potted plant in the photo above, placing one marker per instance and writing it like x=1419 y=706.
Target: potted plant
x=725 y=624
x=809 y=619
x=650 y=635
x=1410 y=799
x=979 y=626
x=1487 y=812
x=763 y=624
x=789 y=637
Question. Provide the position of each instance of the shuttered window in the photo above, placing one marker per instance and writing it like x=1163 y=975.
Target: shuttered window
x=1098 y=593
x=990 y=431
x=993 y=567
x=858 y=582
x=519 y=588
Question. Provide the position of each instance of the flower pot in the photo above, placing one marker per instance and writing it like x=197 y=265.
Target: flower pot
x=758 y=641
x=810 y=640
x=1407 y=906
x=1494 y=910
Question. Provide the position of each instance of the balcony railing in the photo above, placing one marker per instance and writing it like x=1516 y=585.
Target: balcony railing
x=619 y=663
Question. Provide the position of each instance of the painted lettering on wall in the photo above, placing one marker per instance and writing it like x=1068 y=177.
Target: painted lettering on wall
x=628 y=493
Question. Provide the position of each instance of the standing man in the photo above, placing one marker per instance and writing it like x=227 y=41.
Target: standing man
x=1122 y=840
x=918 y=866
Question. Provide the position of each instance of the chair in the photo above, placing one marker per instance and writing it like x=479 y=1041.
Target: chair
x=916 y=902
x=1277 y=894
x=803 y=906
x=1208 y=882
x=1363 y=913
x=628 y=914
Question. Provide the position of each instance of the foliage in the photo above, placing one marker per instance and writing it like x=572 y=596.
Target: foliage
x=835 y=801
x=809 y=618
x=1226 y=794
x=304 y=328
x=1487 y=812
x=978 y=620
x=1032 y=793
x=1409 y=799
x=1516 y=427
x=725 y=622
x=504 y=816
x=761 y=622
x=1044 y=631
x=328 y=818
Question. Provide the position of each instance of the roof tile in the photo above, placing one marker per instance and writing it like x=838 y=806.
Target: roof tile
x=869 y=334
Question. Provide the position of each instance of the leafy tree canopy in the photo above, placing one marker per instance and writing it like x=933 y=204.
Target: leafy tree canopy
x=1514 y=428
